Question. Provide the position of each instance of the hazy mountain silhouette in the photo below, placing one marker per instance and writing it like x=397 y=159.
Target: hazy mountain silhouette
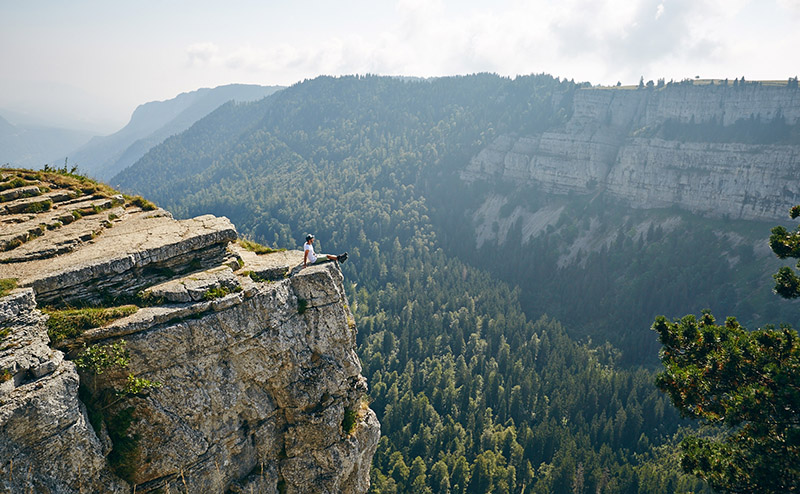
x=30 y=146
x=152 y=123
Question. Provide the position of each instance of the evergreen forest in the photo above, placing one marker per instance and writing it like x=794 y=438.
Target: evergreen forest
x=495 y=368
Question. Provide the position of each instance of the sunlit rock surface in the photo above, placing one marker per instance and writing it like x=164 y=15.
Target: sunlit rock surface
x=260 y=386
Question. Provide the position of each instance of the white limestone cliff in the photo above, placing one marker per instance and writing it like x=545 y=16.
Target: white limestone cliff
x=602 y=148
x=259 y=387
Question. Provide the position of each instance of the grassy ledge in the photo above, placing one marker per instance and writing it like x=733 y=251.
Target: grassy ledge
x=140 y=202
x=257 y=247
x=70 y=323
x=219 y=292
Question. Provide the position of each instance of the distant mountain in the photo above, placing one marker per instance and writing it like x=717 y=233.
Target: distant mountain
x=153 y=122
x=28 y=146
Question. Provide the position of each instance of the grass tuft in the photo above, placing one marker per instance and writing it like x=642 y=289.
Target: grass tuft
x=255 y=277
x=70 y=323
x=38 y=207
x=141 y=203
x=219 y=292
x=14 y=183
x=6 y=285
x=257 y=247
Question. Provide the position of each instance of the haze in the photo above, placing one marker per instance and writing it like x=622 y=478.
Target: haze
x=88 y=64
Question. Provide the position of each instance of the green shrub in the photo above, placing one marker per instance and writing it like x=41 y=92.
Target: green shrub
x=349 y=422
x=70 y=323
x=136 y=385
x=96 y=359
x=5 y=375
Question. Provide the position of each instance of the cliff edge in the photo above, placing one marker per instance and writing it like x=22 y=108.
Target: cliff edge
x=714 y=150
x=141 y=352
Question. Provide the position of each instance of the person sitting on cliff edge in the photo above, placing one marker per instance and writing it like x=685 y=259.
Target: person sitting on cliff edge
x=310 y=257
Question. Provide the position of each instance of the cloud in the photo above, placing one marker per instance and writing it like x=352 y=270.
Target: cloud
x=200 y=54
x=598 y=41
x=791 y=6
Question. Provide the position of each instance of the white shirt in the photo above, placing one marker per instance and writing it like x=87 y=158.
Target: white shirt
x=312 y=257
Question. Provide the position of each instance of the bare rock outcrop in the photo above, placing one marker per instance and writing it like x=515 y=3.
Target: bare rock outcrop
x=46 y=442
x=233 y=372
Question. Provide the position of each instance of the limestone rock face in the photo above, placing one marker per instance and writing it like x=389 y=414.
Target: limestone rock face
x=254 y=386
x=254 y=383
x=46 y=442
x=600 y=149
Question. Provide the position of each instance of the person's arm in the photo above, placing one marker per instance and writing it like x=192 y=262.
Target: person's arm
x=305 y=257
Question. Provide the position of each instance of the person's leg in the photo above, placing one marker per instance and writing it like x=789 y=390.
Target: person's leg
x=330 y=257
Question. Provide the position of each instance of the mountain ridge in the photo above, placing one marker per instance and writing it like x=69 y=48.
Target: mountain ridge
x=605 y=146
x=34 y=145
x=151 y=123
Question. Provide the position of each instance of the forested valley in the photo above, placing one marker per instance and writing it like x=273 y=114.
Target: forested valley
x=491 y=369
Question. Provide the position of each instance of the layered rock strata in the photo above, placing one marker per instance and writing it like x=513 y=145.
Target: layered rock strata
x=46 y=442
x=601 y=148
x=254 y=384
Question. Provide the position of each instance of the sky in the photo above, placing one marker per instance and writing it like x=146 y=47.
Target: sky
x=89 y=63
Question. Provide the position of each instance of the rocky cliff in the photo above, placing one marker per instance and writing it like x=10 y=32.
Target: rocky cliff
x=615 y=141
x=140 y=352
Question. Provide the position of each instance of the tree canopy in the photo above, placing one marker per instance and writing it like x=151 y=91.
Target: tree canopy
x=745 y=382
x=785 y=244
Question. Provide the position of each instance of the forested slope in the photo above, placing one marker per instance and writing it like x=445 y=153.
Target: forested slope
x=476 y=389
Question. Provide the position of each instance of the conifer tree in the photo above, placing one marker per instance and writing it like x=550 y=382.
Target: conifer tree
x=747 y=383
x=787 y=244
